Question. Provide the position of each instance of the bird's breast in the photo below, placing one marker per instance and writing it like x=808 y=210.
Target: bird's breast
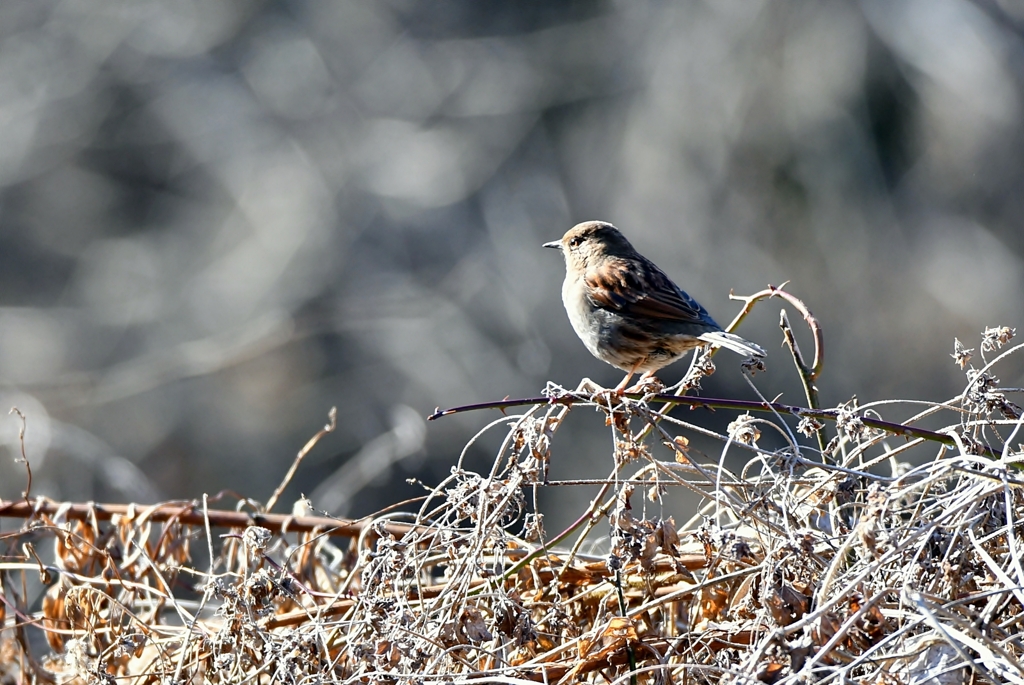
x=624 y=341
x=583 y=315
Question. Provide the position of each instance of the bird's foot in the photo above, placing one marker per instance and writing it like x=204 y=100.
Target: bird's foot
x=598 y=393
x=648 y=384
x=587 y=385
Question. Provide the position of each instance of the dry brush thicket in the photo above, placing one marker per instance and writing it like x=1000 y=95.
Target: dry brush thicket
x=830 y=559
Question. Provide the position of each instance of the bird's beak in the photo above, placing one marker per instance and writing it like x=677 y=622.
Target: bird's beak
x=555 y=244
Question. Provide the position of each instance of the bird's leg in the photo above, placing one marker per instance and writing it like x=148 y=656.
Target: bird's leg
x=646 y=383
x=621 y=387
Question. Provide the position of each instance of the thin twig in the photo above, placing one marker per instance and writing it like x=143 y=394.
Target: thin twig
x=24 y=457
x=720 y=403
x=333 y=417
x=819 y=339
x=805 y=372
x=190 y=514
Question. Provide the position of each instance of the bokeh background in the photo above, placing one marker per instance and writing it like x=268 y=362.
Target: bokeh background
x=220 y=219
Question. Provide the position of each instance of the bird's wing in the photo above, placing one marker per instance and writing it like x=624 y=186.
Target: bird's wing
x=639 y=288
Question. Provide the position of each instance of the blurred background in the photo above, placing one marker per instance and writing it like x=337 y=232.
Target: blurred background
x=218 y=220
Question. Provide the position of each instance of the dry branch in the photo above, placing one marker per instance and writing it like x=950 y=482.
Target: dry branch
x=191 y=513
x=860 y=568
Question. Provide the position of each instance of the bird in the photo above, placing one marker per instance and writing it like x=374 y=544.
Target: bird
x=626 y=311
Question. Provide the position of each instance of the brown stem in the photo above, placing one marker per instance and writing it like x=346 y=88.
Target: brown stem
x=191 y=514
x=333 y=416
x=808 y=374
x=810 y=390
x=812 y=322
x=717 y=403
x=24 y=457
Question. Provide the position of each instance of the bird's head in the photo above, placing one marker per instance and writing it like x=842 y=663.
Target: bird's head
x=587 y=242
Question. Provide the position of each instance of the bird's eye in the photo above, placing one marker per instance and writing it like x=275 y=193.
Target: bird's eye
x=575 y=241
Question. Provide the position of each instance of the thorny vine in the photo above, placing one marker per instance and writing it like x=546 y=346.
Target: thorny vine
x=828 y=563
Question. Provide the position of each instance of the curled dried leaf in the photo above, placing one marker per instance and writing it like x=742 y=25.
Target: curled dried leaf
x=961 y=355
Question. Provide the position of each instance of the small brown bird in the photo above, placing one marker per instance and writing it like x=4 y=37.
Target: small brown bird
x=626 y=310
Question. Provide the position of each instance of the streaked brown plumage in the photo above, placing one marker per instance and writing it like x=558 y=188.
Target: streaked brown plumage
x=626 y=310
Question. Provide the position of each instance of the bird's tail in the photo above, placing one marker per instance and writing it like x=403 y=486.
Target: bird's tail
x=734 y=343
